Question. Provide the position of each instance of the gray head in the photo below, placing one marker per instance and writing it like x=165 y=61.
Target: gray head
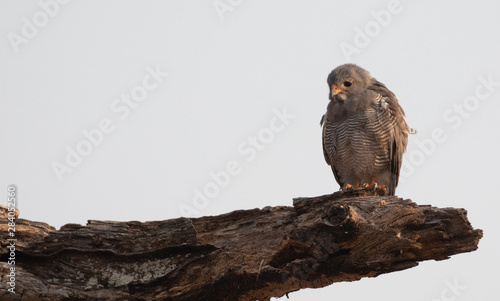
x=347 y=80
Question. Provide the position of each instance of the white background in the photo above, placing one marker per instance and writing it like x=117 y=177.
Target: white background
x=227 y=72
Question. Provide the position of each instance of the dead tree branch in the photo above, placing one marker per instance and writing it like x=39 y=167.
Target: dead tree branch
x=243 y=255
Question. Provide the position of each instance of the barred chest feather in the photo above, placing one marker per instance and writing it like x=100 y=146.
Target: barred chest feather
x=358 y=146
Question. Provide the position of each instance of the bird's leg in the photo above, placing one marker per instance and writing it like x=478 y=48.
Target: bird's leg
x=373 y=184
x=347 y=187
x=350 y=187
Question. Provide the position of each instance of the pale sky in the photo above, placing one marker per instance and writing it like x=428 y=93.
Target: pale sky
x=131 y=110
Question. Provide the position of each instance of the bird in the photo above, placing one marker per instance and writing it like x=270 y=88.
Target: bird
x=364 y=131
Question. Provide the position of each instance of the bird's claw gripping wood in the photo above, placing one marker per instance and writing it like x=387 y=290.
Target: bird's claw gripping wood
x=357 y=191
x=373 y=185
x=347 y=187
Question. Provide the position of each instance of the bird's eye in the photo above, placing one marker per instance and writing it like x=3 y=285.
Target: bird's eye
x=347 y=83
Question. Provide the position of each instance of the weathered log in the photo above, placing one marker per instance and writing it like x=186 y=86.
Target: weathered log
x=243 y=255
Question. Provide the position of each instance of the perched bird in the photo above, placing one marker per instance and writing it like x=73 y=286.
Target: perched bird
x=364 y=131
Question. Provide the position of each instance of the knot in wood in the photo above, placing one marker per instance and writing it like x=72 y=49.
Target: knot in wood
x=337 y=214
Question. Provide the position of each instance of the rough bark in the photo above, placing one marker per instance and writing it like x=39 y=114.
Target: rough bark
x=243 y=255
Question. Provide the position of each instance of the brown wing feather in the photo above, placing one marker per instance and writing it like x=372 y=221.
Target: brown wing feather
x=324 y=123
x=325 y=153
x=399 y=131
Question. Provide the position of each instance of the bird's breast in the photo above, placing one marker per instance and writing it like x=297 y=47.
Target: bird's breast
x=357 y=143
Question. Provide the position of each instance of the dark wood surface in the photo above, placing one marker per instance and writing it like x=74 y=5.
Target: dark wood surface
x=243 y=255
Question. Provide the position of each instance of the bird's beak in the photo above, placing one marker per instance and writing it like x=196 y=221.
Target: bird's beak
x=335 y=90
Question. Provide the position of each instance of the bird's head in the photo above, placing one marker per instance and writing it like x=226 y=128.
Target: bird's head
x=347 y=80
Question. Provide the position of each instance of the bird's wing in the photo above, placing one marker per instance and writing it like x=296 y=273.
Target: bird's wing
x=327 y=143
x=393 y=118
x=392 y=105
x=325 y=152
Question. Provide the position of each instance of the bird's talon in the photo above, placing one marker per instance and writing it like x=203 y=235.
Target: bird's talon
x=348 y=187
x=373 y=185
